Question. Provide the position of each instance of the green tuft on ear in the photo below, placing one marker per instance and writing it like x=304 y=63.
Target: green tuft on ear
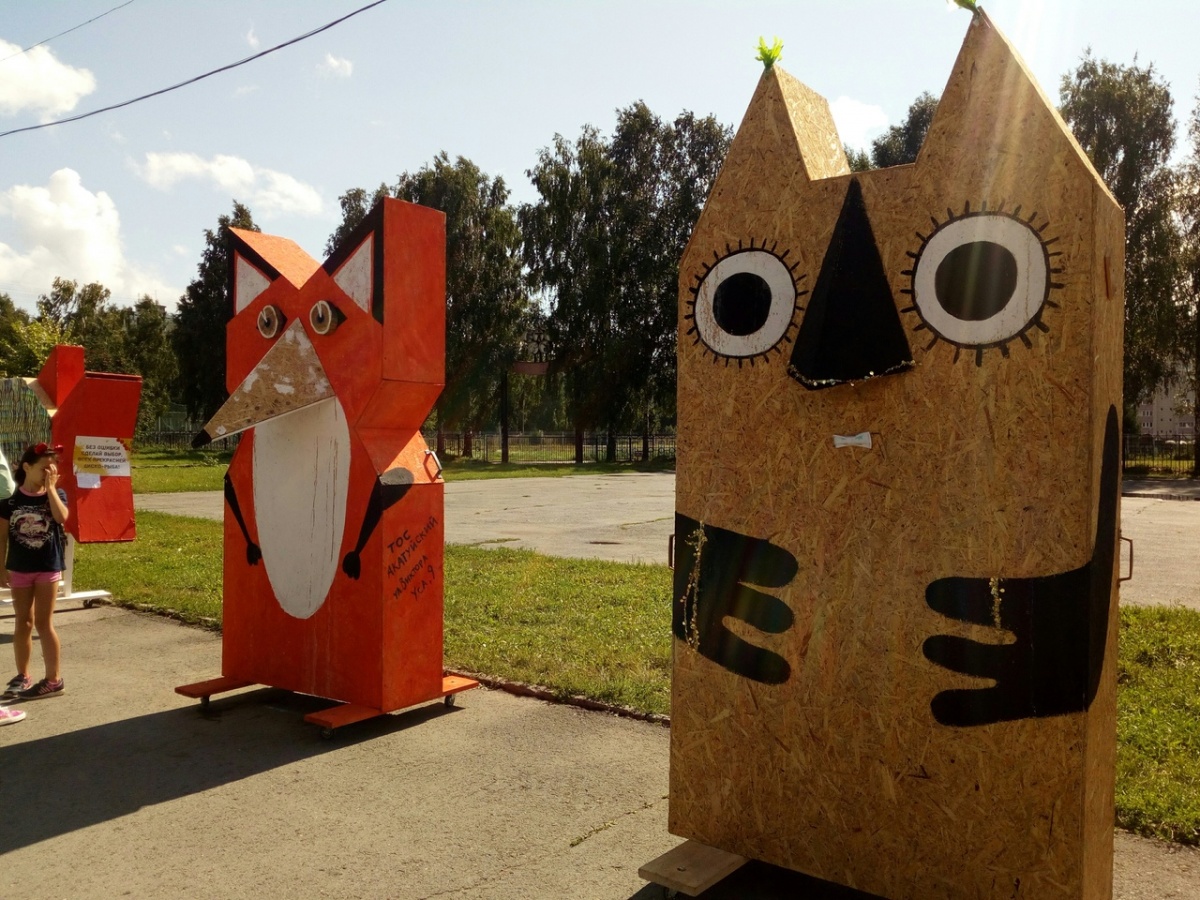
x=768 y=56
x=971 y=5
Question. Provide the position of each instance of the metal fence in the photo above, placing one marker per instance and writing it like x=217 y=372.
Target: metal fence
x=1149 y=455
x=539 y=447
x=533 y=447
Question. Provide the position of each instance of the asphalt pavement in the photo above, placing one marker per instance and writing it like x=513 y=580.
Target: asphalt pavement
x=123 y=788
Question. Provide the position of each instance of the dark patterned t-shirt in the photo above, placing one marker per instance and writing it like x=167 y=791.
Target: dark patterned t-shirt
x=35 y=540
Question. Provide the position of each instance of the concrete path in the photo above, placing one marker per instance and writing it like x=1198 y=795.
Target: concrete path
x=628 y=518
x=122 y=788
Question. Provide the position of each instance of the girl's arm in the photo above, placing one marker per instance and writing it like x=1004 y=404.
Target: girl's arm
x=58 y=509
x=4 y=554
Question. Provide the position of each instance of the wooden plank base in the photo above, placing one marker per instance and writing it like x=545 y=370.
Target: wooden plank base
x=691 y=868
x=456 y=684
x=201 y=690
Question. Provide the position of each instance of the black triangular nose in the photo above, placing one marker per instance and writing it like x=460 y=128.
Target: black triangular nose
x=851 y=330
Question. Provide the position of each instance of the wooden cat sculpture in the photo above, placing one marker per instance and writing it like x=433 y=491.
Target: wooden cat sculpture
x=897 y=500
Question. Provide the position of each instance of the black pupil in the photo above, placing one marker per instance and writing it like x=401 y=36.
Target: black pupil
x=267 y=319
x=320 y=313
x=976 y=280
x=742 y=303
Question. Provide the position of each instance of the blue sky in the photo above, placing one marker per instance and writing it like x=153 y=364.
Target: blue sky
x=124 y=197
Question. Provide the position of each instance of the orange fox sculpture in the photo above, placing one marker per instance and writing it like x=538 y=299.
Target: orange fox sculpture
x=333 y=516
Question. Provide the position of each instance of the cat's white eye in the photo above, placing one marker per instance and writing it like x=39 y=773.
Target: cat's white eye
x=745 y=304
x=982 y=279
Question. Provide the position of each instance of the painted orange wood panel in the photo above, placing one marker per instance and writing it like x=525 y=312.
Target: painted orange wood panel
x=99 y=408
x=329 y=478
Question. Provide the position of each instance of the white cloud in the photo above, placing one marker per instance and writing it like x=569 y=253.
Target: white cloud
x=336 y=67
x=266 y=192
x=252 y=39
x=244 y=90
x=37 y=82
x=63 y=229
x=857 y=122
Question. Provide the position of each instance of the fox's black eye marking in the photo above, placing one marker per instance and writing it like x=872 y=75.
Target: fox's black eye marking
x=270 y=321
x=325 y=317
x=982 y=279
x=744 y=303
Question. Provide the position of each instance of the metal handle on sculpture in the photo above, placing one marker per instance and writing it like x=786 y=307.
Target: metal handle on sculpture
x=1121 y=578
x=437 y=462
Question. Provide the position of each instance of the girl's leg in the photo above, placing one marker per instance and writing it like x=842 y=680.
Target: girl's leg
x=22 y=598
x=44 y=593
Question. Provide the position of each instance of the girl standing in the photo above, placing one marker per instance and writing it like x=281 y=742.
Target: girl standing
x=31 y=564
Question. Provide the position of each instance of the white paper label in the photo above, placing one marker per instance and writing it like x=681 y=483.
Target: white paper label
x=100 y=456
x=862 y=439
x=87 y=481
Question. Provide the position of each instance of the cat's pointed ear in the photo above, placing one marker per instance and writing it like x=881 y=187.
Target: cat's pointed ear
x=994 y=128
x=787 y=136
x=257 y=260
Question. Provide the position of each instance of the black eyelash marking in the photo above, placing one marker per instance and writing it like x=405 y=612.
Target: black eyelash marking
x=1035 y=321
x=793 y=327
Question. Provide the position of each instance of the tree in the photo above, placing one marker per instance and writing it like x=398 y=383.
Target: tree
x=149 y=353
x=665 y=172
x=859 y=160
x=900 y=144
x=12 y=319
x=355 y=203
x=82 y=315
x=1122 y=117
x=486 y=297
x=199 y=333
x=603 y=244
x=1189 y=214
x=486 y=300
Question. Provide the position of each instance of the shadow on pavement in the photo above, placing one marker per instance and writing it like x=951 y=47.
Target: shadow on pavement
x=761 y=881
x=56 y=785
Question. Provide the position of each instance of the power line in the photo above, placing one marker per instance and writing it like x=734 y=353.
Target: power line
x=68 y=31
x=174 y=87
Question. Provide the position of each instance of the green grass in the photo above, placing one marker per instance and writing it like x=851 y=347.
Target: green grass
x=1158 y=723
x=173 y=567
x=167 y=471
x=578 y=626
x=603 y=630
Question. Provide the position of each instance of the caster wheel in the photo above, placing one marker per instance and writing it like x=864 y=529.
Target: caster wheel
x=326 y=734
x=450 y=699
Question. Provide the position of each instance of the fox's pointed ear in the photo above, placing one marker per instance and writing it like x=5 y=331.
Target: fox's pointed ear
x=357 y=265
x=357 y=274
x=256 y=260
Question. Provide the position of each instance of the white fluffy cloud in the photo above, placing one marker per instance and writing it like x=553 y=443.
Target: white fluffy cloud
x=336 y=67
x=266 y=192
x=857 y=122
x=252 y=39
x=37 y=82
x=63 y=229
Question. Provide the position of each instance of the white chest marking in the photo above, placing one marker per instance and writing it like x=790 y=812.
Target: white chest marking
x=301 y=475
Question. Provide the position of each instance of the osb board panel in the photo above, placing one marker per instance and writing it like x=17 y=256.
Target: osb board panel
x=984 y=463
x=1108 y=268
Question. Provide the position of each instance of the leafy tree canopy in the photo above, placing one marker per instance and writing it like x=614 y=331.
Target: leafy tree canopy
x=199 y=333
x=1122 y=117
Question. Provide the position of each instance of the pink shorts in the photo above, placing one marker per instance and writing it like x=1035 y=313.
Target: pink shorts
x=29 y=579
